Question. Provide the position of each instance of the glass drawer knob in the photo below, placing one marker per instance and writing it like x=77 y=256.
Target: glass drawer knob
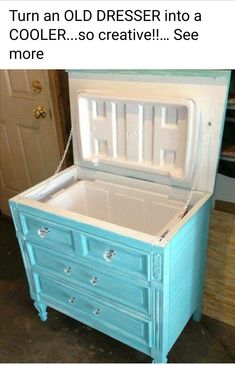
x=94 y=280
x=97 y=312
x=42 y=232
x=72 y=300
x=109 y=255
x=68 y=270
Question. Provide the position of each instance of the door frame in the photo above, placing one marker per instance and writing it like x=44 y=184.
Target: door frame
x=59 y=89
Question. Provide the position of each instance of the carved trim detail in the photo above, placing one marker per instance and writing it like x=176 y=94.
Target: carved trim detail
x=157 y=267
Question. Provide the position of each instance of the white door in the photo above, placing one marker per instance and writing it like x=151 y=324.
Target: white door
x=29 y=149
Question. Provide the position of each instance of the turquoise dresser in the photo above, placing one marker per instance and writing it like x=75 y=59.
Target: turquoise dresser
x=118 y=241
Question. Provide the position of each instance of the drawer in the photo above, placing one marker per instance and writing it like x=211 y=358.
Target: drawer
x=94 y=250
x=47 y=233
x=112 y=255
x=96 y=313
x=112 y=287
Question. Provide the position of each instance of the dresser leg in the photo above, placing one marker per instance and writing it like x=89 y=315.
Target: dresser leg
x=197 y=314
x=160 y=360
x=41 y=307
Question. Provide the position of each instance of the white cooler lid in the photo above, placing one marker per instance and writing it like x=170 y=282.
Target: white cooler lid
x=167 y=133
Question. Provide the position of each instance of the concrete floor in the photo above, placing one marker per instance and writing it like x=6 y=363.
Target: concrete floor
x=24 y=338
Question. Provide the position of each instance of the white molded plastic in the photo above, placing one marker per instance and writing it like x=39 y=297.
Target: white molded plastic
x=150 y=211
x=153 y=136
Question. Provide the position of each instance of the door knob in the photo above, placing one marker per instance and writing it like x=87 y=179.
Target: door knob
x=39 y=112
x=36 y=86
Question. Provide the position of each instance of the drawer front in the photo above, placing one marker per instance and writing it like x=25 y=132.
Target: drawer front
x=96 y=313
x=111 y=287
x=47 y=233
x=116 y=256
x=93 y=249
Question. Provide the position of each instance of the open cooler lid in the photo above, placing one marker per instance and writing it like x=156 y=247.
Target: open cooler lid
x=166 y=133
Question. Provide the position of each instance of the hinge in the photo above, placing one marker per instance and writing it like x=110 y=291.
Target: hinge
x=164 y=235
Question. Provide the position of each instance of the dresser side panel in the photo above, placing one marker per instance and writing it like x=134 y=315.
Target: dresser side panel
x=22 y=246
x=187 y=270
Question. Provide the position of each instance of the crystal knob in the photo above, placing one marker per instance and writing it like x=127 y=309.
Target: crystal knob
x=94 y=280
x=72 y=300
x=43 y=231
x=109 y=255
x=97 y=312
x=68 y=270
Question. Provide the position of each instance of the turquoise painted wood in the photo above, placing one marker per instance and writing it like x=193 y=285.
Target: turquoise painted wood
x=72 y=272
x=140 y=294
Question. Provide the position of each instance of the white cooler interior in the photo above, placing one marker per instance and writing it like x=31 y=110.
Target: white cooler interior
x=141 y=210
x=154 y=137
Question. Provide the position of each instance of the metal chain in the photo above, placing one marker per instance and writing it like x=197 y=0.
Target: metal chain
x=65 y=153
x=41 y=192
